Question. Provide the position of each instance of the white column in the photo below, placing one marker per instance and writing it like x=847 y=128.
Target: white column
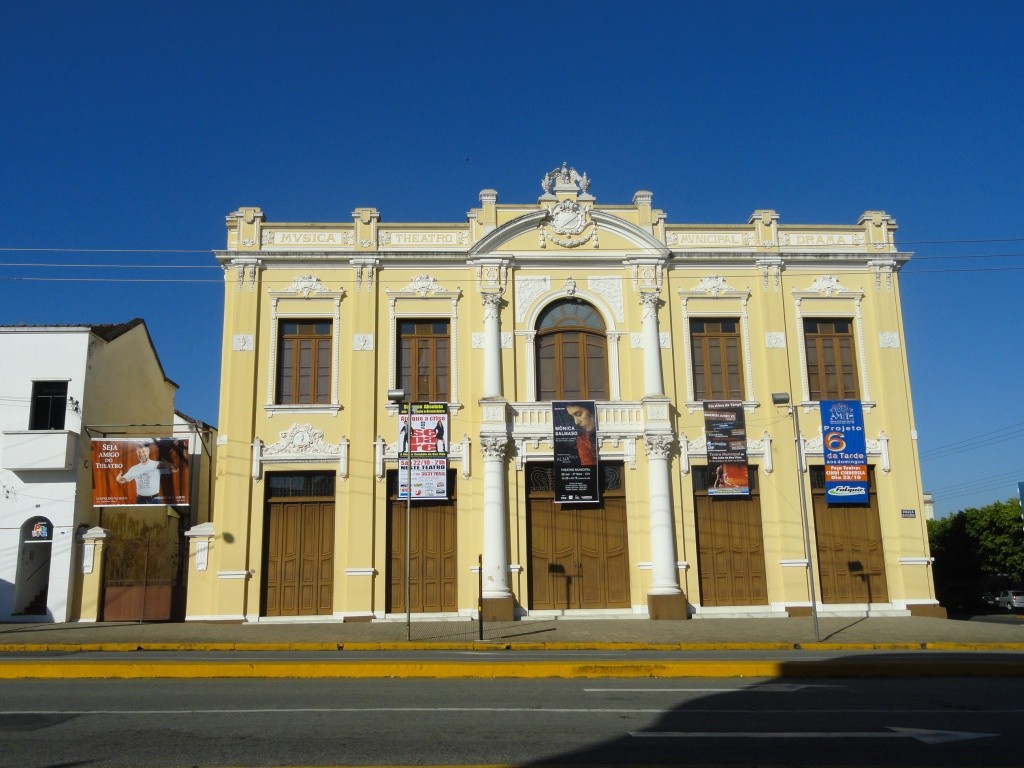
x=492 y=345
x=495 y=554
x=664 y=569
x=653 y=380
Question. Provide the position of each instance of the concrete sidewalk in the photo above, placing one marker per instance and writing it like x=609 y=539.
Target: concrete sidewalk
x=880 y=633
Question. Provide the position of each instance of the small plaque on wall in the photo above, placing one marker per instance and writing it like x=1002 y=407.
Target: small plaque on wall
x=905 y=513
x=242 y=342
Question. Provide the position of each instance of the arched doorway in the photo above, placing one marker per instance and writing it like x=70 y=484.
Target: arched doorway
x=32 y=582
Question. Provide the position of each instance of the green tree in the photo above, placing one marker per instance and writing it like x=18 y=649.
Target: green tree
x=977 y=550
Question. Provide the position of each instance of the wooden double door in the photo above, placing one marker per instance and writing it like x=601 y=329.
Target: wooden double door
x=851 y=557
x=579 y=555
x=433 y=557
x=299 y=558
x=730 y=545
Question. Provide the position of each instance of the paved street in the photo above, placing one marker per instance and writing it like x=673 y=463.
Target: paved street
x=697 y=722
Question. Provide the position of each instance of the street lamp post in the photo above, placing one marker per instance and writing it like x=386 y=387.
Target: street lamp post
x=782 y=398
x=399 y=396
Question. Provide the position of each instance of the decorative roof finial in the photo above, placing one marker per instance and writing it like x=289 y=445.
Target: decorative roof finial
x=565 y=180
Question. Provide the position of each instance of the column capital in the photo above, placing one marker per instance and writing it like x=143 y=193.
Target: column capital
x=492 y=305
x=494 y=446
x=659 y=445
x=649 y=301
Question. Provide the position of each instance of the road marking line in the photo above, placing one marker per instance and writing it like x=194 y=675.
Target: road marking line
x=770 y=688
x=920 y=734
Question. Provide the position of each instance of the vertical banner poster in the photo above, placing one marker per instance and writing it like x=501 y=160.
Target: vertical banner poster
x=574 y=423
x=845 y=450
x=424 y=434
x=150 y=471
x=725 y=431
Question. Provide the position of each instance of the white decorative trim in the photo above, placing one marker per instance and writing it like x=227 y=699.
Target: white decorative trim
x=343 y=445
x=362 y=342
x=795 y=563
x=698 y=449
x=425 y=287
x=234 y=574
x=681 y=565
x=715 y=288
x=88 y=556
x=712 y=285
x=828 y=288
x=917 y=560
x=528 y=290
x=420 y=286
x=202 y=554
x=636 y=340
x=769 y=459
x=304 y=286
x=479 y=340
x=828 y=285
x=203 y=534
x=300 y=444
x=775 y=340
x=609 y=289
x=302 y=441
x=368 y=571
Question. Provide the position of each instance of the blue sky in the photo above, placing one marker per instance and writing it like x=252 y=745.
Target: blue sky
x=132 y=127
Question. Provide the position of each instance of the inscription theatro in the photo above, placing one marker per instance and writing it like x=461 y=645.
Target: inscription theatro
x=423 y=238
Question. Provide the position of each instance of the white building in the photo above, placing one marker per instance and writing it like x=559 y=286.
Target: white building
x=58 y=380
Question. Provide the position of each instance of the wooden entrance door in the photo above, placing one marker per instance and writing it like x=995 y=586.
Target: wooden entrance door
x=433 y=558
x=299 y=559
x=730 y=546
x=578 y=552
x=851 y=558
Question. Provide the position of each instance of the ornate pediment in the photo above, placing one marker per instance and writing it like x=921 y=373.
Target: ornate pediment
x=568 y=224
x=423 y=286
x=828 y=285
x=714 y=286
x=306 y=284
x=301 y=441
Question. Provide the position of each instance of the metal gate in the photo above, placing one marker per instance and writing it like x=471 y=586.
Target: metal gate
x=143 y=577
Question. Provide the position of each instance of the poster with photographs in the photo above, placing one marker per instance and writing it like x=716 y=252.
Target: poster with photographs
x=726 y=435
x=575 y=451
x=140 y=471
x=423 y=437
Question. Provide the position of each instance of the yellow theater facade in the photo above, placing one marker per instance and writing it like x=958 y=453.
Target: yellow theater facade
x=555 y=300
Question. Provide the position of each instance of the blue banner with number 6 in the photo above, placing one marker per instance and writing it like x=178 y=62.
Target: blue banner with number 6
x=845 y=450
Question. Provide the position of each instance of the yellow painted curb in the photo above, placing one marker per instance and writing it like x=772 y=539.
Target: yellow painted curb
x=72 y=669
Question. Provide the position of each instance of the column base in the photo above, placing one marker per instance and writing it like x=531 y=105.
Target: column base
x=499 y=608
x=667 y=607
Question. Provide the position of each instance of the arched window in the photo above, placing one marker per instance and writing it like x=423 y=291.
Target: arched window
x=572 y=352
